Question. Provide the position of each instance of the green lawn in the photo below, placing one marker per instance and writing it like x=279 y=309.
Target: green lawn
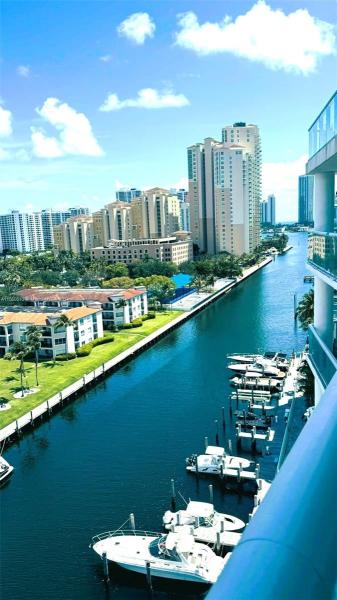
x=53 y=377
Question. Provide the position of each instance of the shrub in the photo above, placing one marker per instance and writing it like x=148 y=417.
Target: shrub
x=69 y=356
x=84 y=350
x=102 y=340
x=127 y=326
x=151 y=315
x=137 y=323
x=8 y=356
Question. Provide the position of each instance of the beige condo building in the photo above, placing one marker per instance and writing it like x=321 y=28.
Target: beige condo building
x=75 y=234
x=225 y=190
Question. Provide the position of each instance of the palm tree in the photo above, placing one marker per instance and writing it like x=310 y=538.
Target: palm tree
x=19 y=351
x=198 y=282
x=64 y=321
x=34 y=339
x=305 y=309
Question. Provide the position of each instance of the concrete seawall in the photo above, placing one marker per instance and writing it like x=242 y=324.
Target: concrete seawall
x=46 y=408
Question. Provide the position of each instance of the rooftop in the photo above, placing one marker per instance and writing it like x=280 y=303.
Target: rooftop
x=80 y=294
x=32 y=317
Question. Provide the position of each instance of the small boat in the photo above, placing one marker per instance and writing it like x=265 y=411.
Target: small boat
x=256 y=383
x=215 y=461
x=171 y=556
x=201 y=515
x=265 y=368
x=276 y=359
x=6 y=470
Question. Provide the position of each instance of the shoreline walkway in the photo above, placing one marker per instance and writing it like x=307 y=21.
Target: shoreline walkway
x=46 y=407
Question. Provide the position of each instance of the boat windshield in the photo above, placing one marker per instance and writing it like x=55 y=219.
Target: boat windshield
x=158 y=549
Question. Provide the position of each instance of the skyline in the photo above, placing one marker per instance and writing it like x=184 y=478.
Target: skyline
x=128 y=94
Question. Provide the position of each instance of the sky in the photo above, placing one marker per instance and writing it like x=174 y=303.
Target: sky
x=100 y=95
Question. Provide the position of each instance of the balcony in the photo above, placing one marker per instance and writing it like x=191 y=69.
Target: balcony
x=322 y=359
x=324 y=128
x=322 y=253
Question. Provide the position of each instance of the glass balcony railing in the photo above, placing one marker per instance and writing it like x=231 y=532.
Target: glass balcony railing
x=324 y=128
x=321 y=357
x=322 y=252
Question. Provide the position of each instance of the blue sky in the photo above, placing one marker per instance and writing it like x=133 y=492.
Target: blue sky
x=61 y=60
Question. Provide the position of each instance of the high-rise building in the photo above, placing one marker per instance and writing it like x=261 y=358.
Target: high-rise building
x=75 y=235
x=155 y=214
x=225 y=190
x=21 y=231
x=268 y=210
x=305 y=199
x=50 y=218
x=322 y=250
x=112 y=222
x=79 y=211
x=127 y=194
x=185 y=218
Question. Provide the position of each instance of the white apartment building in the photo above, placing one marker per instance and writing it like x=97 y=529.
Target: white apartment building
x=86 y=325
x=322 y=248
x=21 y=231
x=118 y=306
x=128 y=251
x=225 y=190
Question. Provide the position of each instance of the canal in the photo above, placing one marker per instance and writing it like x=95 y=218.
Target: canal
x=114 y=450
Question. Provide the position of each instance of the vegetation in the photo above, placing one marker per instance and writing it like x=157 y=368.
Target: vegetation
x=307 y=384
x=34 y=342
x=305 y=310
x=86 y=349
x=54 y=376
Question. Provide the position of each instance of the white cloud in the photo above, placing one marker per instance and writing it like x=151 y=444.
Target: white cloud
x=292 y=42
x=281 y=179
x=75 y=133
x=146 y=98
x=24 y=71
x=106 y=58
x=5 y=122
x=119 y=185
x=137 y=27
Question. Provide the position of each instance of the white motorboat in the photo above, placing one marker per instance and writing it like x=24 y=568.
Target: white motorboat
x=171 y=556
x=6 y=470
x=265 y=368
x=275 y=360
x=201 y=515
x=253 y=382
x=215 y=461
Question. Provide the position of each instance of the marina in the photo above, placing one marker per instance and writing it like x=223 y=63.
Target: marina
x=132 y=430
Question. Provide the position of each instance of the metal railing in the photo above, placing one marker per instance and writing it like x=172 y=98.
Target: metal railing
x=119 y=532
x=322 y=252
x=288 y=550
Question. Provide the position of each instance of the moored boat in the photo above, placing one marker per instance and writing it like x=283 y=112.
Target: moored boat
x=6 y=470
x=171 y=556
x=215 y=461
x=200 y=515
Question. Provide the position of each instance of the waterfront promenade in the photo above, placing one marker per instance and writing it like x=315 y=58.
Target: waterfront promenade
x=46 y=407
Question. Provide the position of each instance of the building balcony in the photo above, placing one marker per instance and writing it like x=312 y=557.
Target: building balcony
x=321 y=358
x=322 y=253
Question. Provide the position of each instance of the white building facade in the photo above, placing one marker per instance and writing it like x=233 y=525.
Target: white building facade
x=86 y=325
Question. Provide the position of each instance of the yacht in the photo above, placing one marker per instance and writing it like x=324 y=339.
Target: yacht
x=215 y=461
x=263 y=367
x=275 y=359
x=6 y=470
x=256 y=383
x=172 y=556
x=200 y=516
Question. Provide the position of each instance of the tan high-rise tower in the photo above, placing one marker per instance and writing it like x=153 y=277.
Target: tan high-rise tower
x=225 y=191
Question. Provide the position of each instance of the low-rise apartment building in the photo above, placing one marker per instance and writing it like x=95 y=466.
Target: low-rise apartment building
x=86 y=325
x=118 y=306
x=127 y=251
